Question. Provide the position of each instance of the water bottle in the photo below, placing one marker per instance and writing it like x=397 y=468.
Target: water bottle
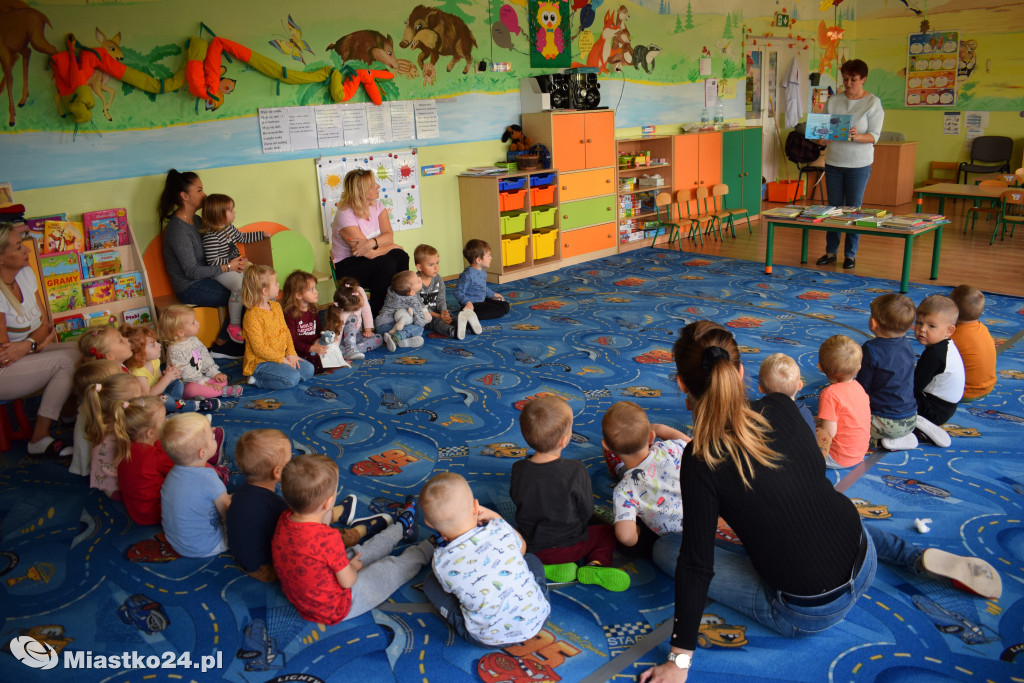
x=719 y=116
x=705 y=118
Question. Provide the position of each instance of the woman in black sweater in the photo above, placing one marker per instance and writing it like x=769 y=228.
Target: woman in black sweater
x=808 y=556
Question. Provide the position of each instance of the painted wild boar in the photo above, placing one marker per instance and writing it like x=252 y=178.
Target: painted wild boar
x=435 y=33
x=367 y=46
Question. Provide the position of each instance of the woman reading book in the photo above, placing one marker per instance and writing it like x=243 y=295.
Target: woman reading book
x=848 y=164
x=29 y=361
x=194 y=282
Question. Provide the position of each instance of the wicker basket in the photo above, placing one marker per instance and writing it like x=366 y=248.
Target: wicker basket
x=528 y=161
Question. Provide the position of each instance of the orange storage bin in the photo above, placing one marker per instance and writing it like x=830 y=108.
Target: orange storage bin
x=544 y=244
x=513 y=250
x=511 y=200
x=785 y=191
x=542 y=195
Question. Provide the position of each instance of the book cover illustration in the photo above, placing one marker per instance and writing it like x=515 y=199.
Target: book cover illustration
x=98 y=292
x=101 y=263
x=62 y=236
x=66 y=297
x=138 y=316
x=103 y=238
x=829 y=126
x=36 y=226
x=102 y=226
x=69 y=327
x=100 y=319
x=129 y=285
x=57 y=269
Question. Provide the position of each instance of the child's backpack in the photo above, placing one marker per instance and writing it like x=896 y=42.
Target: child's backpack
x=800 y=150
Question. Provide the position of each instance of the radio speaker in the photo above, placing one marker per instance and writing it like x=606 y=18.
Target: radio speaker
x=559 y=88
x=584 y=91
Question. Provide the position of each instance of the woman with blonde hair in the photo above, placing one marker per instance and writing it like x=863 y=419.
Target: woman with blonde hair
x=29 y=360
x=362 y=241
x=809 y=557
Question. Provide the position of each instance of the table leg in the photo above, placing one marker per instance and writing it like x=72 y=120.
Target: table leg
x=908 y=249
x=942 y=204
x=936 y=250
x=768 y=248
x=803 y=246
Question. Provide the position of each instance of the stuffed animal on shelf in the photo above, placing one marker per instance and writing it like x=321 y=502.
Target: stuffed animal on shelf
x=520 y=141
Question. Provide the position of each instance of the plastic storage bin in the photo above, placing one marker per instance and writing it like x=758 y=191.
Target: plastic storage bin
x=542 y=195
x=513 y=250
x=543 y=218
x=511 y=200
x=513 y=222
x=511 y=184
x=544 y=244
x=542 y=179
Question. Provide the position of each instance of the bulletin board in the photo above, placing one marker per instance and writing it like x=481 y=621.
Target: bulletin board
x=931 y=68
x=396 y=172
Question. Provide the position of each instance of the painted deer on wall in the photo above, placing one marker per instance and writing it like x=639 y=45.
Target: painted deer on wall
x=21 y=31
x=98 y=81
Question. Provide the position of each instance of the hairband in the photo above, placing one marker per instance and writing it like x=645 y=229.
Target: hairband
x=97 y=387
x=348 y=285
x=710 y=356
x=336 y=304
x=96 y=353
x=124 y=405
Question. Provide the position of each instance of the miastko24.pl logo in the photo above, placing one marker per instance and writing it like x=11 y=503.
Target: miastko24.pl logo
x=31 y=652
x=39 y=655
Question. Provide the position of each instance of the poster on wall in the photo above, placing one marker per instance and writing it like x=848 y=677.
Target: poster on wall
x=931 y=68
x=550 y=37
x=397 y=174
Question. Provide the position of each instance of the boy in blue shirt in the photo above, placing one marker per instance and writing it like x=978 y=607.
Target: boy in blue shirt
x=472 y=291
x=887 y=372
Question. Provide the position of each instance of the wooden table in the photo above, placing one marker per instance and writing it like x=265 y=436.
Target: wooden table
x=907 y=235
x=958 y=191
x=892 y=174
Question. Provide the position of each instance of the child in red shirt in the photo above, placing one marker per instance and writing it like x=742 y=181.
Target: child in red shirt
x=142 y=469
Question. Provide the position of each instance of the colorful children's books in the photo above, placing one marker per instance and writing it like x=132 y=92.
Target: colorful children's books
x=106 y=228
x=35 y=227
x=138 y=316
x=129 y=285
x=62 y=236
x=57 y=269
x=791 y=211
x=869 y=221
x=66 y=297
x=100 y=319
x=98 y=292
x=69 y=327
x=828 y=126
x=101 y=263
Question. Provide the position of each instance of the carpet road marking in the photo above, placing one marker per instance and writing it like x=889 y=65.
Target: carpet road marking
x=876 y=657
x=857 y=667
x=900 y=654
x=886 y=608
x=933 y=660
x=963 y=670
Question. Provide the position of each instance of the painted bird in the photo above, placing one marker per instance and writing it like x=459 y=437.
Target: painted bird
x=549 y=36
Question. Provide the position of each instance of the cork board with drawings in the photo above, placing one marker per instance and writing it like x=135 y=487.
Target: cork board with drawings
x=396 y=172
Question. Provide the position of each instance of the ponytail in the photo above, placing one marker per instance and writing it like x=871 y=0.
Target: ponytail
x=170 y=198
x=724 y=426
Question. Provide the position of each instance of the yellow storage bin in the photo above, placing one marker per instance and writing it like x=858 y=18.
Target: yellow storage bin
x=513 y=250
x=544 y=244
x=513 y=222
x=543 y=218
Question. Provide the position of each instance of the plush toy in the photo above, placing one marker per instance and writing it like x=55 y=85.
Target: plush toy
x=520 y=142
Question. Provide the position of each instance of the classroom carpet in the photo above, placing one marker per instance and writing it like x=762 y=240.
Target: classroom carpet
x=79 y=576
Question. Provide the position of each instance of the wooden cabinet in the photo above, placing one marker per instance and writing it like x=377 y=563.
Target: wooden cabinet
x=577 y=140
x=892 y=174
x=741 y=169
x=698 y=161
x=641 y=164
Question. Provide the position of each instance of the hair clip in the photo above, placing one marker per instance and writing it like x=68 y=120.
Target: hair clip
x=124 y=405
x=97 y=387
x=336 y=304
x=348 y=285
x=95 y=352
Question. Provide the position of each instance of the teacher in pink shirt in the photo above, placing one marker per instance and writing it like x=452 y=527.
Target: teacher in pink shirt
x=362 y=241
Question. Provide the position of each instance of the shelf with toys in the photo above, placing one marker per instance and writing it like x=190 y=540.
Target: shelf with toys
x=643 y=170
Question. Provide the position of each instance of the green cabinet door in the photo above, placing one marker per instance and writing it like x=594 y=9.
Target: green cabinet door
x=732 y=167
x=751 y=189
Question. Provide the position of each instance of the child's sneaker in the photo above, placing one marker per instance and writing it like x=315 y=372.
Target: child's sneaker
x=371 y=526
x=186 y=406
x=461 y=322
x=251 y=380
x=903 y=443
x=474 y=322
x=235 y=332
x=410 y=342
x=208 y=404
x=929 y=432
x=231 y=390
x=609 y=578
x=346 y=512
x=560 y=573
x=615 y=465
x=389 y=341
x=352 y=353
x=407 y=518
x=402 y=318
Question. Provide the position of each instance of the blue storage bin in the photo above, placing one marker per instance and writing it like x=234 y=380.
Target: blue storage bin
x=542 y=179
x=511 y=184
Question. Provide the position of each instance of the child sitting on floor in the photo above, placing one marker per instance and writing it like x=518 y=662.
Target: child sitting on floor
x=974 y=343
x=193 y=498
x=299 y=297
x=844 y=409
x=648 y=506
x=145 y=364
x=142 y=464
x=90 y=372
x=350 y=318
x=105 y=343
x=317 y=575
x=202 y=377
x=270 y=360
x=435 y=298
x=887 y=372
x=779 y=374
x=554 y=502
x=103 y=418
x=401 y=319
x=471 y=291
x=939 y=374
x=484 y=583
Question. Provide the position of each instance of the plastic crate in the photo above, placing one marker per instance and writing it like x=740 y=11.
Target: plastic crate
x=513 y=250
x=542 y=179
x=544 y=244
x=785 y=191
x=511 y=184
x=511 y=200
x=542 y=195
x=543 y=218
x=513 y=222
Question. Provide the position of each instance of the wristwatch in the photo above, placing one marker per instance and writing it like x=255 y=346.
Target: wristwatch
x=681 y=660
x=375 y=245
x=32 y=345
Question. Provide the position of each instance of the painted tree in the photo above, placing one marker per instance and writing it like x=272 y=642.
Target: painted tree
x=679 y=24
x=728 y=26
x=689 y=16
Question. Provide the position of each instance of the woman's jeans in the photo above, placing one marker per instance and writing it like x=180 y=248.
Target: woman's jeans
x=845 y=187
x=737 y=584
x=281 y=376
x=207 y=292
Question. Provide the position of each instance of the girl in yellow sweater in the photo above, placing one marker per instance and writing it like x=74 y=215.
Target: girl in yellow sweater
x=270 y=359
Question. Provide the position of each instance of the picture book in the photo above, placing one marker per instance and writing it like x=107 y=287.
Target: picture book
x=129 y=285
x=828 y=126
x=62 y=236
x=35 y=227
x=99 y=319
x=102 y=226
x=69 y=327
x=790 y=211
x=65 y=297
x=869 y=222
x=59 y=269
x=98 y=292
x=138 y=316
x=101 y=263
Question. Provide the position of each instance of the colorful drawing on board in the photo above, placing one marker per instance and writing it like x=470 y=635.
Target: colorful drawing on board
x=932 y=67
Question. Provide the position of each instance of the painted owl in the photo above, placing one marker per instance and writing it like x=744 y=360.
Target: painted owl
x=549 y=32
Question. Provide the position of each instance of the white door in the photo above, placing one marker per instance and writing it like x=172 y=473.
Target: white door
x=768 y=63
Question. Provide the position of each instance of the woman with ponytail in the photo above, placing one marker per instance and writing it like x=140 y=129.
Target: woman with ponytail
x=808 y=555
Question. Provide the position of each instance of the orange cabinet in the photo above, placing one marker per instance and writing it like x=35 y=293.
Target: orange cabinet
x=586 y=240
x=698 y=161
x=586 y=184
x=576 y=139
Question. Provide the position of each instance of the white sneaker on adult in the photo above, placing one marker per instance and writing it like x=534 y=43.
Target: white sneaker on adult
x=474 y=322
x=936 y=434
x=903 y=443
x=971 y=574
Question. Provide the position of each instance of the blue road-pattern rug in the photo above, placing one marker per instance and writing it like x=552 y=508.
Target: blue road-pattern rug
x=76 y=574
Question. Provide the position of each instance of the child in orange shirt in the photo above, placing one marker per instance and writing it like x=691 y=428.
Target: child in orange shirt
x=270 y=359
x=974 y=343
x=844 y=409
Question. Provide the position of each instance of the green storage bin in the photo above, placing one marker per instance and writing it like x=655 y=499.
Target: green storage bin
x=543 y=218
x=513 y=222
